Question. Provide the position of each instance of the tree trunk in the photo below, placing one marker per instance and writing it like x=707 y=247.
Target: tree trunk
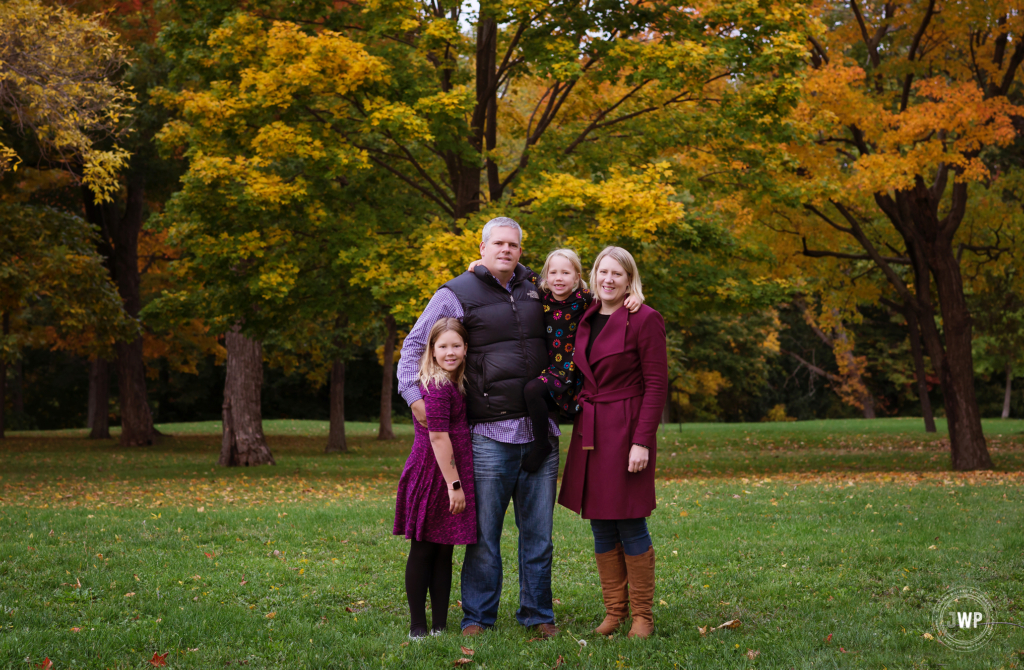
x=920 y=372
x=868 y=405
x=967 y=441
x=1009 y=390
x=243 y=442
x=121 y=246
x=336 y=442
x=19 y=388
x=6 y=327
x=385 y=432
x=99 y=400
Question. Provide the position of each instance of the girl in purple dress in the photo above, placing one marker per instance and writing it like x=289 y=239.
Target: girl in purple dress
x=436 y=507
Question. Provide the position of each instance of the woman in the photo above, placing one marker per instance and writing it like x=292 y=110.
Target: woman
x=609 y=471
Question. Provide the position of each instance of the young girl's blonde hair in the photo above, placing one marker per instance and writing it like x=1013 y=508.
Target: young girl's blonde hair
x=430 y=371
x=569 y=255
x=625 y=259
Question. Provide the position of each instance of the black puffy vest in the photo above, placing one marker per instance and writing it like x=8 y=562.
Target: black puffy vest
x=507 y=344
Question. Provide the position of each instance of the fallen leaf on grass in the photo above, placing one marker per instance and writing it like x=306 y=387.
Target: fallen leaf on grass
x=842 y=650
x=829 y=638
x=208 y=554
x=129 y=594
x=243 y=582
x=703 y=630
x=158 y=660
x=46 y=664
x=556 y=601
x=535 y=639
x=928 y=636
x=753 y=653
x=404 y=644
x=75 y=629
x=271 y=615
x=662 y=602
x=467 y=651
x=731 y=623
x=462 y=661
x=559 y=662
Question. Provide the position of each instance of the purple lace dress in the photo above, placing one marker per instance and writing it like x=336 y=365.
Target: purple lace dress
x=421 y=508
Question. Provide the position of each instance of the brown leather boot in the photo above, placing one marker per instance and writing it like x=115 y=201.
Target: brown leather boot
x=611 y=568
x=640 y=571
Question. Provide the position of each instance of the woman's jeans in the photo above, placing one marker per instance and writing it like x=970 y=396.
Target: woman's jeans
x=632 y=533
x=499 y=478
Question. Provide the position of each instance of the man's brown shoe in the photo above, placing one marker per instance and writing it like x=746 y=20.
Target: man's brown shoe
x=547 y=630
x=471 y=630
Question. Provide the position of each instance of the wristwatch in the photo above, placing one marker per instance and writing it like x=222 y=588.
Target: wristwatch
x=456 y=485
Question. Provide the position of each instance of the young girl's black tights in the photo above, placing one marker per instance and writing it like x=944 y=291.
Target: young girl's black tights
x=429 y=568
x=538 y=404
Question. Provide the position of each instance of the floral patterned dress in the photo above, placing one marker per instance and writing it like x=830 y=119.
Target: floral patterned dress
x=561 y=318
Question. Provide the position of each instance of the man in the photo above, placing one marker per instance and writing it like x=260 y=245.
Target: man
x=500 y=307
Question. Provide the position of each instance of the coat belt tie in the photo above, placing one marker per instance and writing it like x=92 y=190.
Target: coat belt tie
x=588 y=409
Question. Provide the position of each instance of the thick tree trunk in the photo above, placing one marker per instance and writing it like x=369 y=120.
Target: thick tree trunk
x=920 y=372
x=385 y=431
x=967 y=442
x=120 y=244
x=5 y=320
x=243 y=442
x=136 y=419
x=1009 y=390
x=99 y=400
x=336 y=442
x=867 y=402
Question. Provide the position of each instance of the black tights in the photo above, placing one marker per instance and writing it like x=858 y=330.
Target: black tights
x=429 y=568
x=538 y=403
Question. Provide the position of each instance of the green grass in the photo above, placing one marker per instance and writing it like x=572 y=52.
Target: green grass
x=800 y=530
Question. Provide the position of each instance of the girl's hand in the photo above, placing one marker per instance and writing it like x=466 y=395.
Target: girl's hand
x=472 y=266
x=632 y=304
x=637 y=458
x=456 y=501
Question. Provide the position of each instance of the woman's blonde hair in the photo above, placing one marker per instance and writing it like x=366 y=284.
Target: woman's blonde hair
x=625 y=259
x=430 y=371
x=569 y=255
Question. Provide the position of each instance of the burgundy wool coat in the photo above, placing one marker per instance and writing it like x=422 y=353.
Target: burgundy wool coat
x=623 y=395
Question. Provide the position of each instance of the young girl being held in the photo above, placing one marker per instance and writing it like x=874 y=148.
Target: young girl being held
x=435 y=506
x=565 y=297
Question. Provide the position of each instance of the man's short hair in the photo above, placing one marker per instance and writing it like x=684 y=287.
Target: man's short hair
x=499 y=222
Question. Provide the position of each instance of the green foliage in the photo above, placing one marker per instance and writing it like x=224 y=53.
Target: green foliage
x=53 y=284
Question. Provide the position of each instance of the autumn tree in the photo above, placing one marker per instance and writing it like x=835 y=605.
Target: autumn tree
x=52 y=283
x=901 y=108
x=59 y=85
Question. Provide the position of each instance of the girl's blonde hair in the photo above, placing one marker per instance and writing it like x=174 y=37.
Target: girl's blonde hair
x=430 y=371
x=625 y=259
x=569 y=255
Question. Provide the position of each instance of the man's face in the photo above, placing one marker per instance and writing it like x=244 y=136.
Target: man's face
x=501 y=252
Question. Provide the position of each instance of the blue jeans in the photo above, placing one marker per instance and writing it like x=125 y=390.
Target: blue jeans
x=632 y=533
x=499 y=478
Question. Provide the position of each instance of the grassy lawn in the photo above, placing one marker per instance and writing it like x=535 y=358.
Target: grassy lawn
x=852 y=529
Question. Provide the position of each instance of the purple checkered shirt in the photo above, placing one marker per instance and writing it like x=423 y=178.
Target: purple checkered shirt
x=446 y=304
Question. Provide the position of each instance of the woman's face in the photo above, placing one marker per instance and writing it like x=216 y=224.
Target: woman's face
x=612 y=281
x=449 y=351
x=561 y=277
